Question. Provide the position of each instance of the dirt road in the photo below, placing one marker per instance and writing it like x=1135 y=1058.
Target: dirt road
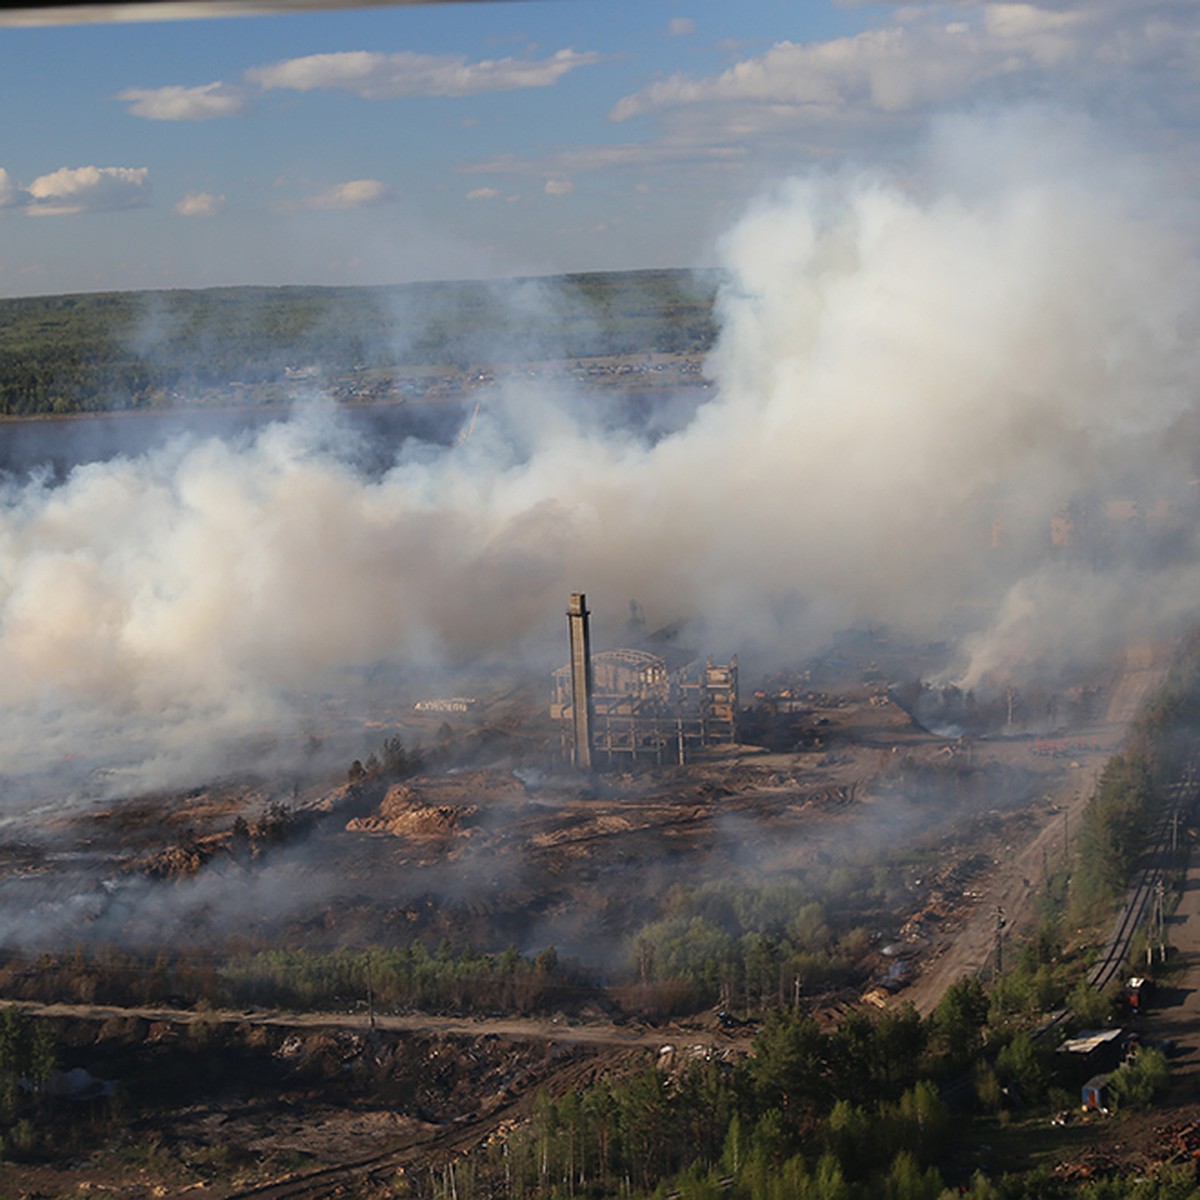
x=513 y=1028
x=1013 y=887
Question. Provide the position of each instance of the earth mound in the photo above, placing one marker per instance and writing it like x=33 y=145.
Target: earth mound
x=406 y=811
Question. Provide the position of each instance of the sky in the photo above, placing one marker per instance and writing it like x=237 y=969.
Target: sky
x=389 y=144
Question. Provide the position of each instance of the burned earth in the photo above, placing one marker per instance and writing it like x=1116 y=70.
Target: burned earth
x=365 y=975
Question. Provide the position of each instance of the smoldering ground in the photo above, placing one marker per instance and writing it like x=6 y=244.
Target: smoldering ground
x=581 y=872
x=914 y=375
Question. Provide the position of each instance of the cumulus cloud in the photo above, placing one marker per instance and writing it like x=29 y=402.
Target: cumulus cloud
x=354 y=193
x=204 y=103
x=1135 y=67
x=559 y=187
x=934 y=54
x=377 y=76
x=888 y=68
x=200 y=204
x=483 y=193
x=9 y=192
x=681 y=27
x=72 y=190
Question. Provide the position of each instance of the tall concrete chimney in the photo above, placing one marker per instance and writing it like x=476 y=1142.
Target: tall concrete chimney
x=581 y=680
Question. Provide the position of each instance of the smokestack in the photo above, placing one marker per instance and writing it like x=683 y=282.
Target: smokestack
x=581 y=680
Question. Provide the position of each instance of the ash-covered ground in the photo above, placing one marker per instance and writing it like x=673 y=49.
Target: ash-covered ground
x=491 y=841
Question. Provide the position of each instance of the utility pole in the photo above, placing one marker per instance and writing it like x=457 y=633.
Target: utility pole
x=1161 y=921
x=370 y=994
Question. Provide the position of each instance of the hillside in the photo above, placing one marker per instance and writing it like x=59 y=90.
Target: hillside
x=135 y=350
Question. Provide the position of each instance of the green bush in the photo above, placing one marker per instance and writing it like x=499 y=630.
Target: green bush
x=1137 y=1083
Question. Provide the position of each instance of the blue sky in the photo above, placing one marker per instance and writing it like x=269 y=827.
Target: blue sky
x=380 y=145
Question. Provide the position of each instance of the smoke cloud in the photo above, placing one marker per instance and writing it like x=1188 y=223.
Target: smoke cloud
x=915 y=378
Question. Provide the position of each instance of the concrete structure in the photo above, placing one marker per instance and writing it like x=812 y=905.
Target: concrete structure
x=640 y=703
x=581 y=682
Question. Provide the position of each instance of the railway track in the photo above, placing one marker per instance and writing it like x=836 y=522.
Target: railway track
x=1156 y=862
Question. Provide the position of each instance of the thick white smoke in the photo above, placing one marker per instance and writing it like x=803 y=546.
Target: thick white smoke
x=905 y=367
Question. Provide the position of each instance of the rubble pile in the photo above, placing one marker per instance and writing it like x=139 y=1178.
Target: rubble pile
x=1092 y=1163
x=1177 y=1143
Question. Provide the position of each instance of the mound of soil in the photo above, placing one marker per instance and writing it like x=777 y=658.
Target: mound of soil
x=405 y=812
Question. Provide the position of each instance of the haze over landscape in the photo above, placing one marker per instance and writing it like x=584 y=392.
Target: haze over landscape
x=960 y=295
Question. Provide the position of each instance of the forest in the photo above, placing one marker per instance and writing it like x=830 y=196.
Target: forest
x=119 y=351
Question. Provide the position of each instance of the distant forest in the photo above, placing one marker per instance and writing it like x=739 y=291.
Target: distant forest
x=136 y=350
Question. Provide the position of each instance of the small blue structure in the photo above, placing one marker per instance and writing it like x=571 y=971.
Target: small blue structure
x=1095 y=1093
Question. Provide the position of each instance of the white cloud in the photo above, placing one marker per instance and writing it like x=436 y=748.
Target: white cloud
x=9 y=192
x=681 y=27
x=935 y=54
x=483 y=193
x=354 y=193
x=559 y=187
x=1027 y=20
x=200 y=204
x=204 y=103
x=878 y=66
x=388 y=76
x=71 y=190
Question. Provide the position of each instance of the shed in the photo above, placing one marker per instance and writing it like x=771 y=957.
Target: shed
x=1097 y=1049
x=1095 y=1093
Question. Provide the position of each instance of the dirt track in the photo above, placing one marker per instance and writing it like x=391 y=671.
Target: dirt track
x=511 y=1028
x=1013 y=886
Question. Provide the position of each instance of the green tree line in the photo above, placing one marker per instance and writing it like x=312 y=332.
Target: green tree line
x=1131 y=793
x=131 y=350
x=401 y=979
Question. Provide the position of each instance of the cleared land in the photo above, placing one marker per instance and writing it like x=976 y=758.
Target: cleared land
x=490 y=854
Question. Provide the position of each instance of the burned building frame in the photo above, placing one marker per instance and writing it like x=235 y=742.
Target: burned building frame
x=635 y=704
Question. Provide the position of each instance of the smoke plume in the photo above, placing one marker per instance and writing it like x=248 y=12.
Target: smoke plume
x=915 y=378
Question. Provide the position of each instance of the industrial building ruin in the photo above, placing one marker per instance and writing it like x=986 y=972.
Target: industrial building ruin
x=639 y=703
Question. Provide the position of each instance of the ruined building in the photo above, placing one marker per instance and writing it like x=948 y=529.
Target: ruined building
x=639 y=703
